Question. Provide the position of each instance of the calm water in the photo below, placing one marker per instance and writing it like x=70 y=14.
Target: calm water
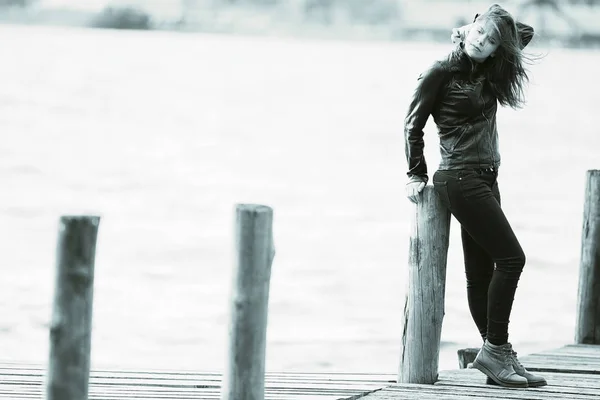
x=162 y=134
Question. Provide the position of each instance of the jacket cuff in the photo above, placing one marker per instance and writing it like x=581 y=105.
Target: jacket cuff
x=417 y=178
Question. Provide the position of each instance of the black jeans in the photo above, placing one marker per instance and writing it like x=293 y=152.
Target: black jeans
x=472 y=196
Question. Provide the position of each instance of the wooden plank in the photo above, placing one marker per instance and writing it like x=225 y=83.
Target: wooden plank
x=26 y=392
x=474 y=377
x=579 y=358
x=454 y=392
x=561 y=364
x=211 y=378
x=163 y=393
x=180 y=396
x=35 y=369
x=28 y=383
x=587 y=350
x=582 y=350
x=566 y=384
x=333 y=386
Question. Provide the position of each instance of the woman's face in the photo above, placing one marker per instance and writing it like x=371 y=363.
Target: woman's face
x=481 y=41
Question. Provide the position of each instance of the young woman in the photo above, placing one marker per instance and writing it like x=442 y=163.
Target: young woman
x=462 y=93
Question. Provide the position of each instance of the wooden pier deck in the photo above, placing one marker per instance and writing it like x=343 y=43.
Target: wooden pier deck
x=573 y=373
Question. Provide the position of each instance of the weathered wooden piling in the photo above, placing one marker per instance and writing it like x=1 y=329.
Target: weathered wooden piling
x=424 y=306
x=71 y=323
x=245 y=371
x=587 y=330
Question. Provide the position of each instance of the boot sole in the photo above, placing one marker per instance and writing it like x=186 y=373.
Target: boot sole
x=482 y=368
x=490 y=381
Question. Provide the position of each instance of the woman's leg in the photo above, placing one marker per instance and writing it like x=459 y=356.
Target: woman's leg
x=471 y=200
x=479 y=268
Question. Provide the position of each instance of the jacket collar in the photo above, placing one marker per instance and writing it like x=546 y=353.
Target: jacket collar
x=466 y=64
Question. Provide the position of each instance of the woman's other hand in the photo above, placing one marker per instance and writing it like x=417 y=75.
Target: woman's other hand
x=459 y=34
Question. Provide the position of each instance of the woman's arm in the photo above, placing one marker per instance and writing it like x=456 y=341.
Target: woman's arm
x=421 y=106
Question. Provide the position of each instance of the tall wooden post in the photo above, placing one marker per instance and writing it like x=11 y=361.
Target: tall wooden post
x=424 y=307
x=245 y=372
x=71 y=324
x=588 y=305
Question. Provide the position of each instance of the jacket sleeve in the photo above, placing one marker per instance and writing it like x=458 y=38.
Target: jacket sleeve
x=524 y=31
x=421 y=106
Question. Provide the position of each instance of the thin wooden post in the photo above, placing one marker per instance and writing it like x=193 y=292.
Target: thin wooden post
x=245 y=372
x=424 y=306
x=587 y=330
x=71 y=324
x=466 y=356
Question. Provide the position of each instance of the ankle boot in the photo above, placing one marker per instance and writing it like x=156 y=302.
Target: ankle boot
x=497 y=363
x=532 y=380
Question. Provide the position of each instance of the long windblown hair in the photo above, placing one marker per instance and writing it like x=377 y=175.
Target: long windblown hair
x=504 y=71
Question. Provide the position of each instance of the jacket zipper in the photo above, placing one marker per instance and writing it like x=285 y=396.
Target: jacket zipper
x=488 y=127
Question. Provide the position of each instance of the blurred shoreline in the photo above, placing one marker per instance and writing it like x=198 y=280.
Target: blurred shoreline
x=405 y=21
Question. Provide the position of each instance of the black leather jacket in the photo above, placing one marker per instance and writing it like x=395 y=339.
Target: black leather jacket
x=464 y=110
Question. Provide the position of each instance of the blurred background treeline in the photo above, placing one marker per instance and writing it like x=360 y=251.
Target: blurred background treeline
x=572 y=23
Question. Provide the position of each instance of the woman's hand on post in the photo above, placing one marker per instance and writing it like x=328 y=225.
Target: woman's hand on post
x=413 y=190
